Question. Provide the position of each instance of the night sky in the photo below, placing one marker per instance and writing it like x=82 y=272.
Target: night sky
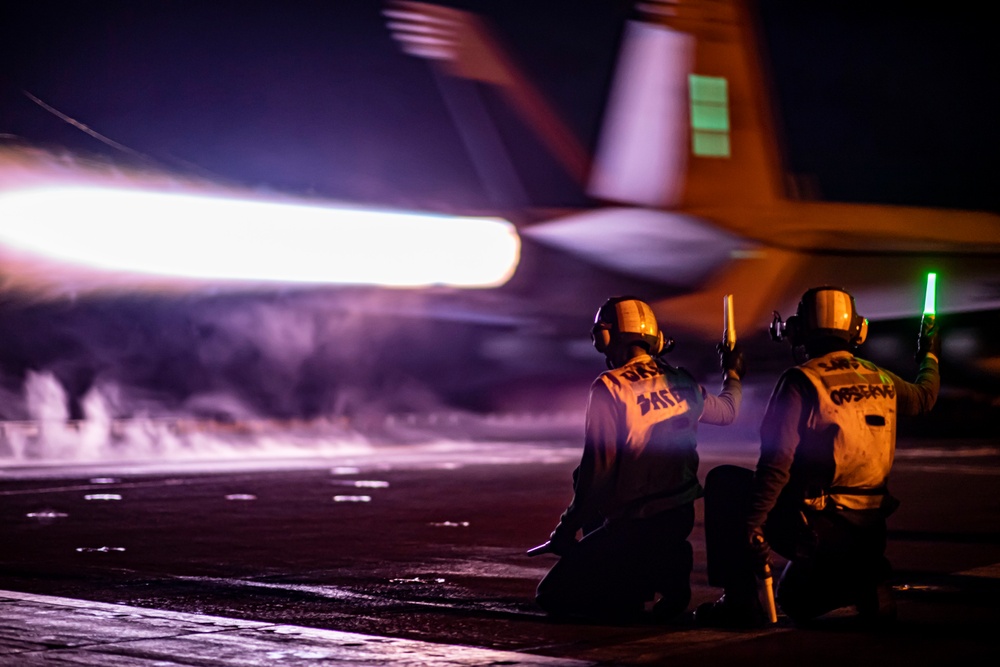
x=878 y=104
x=889 y=102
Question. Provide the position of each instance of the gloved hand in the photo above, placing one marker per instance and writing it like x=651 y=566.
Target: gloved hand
x=562 y=540
x=929 y=340
x=731 y=360
x=759 y=551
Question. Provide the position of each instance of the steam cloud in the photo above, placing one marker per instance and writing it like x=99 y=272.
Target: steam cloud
x=115 y=376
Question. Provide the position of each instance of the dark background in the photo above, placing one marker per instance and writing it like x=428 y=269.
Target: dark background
x=879 y=102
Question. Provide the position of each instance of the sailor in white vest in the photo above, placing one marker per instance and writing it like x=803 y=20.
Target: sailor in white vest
x=819 y=495
x=637 y=481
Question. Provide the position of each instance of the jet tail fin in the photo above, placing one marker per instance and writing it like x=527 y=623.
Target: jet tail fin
x=733 y=155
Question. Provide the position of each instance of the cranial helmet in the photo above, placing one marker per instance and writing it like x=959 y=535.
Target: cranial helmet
x=823 y=311
x=626 y=319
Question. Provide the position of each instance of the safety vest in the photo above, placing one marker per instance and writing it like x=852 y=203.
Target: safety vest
x=857 y=405
x=657 y=437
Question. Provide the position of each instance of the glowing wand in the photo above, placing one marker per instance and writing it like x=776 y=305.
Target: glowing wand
x=728 y=322
x=930 y=297
x=767 y=584
x=543 y=548
x=927 y=319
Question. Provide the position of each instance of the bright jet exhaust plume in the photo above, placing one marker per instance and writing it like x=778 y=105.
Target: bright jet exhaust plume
x=211 y=237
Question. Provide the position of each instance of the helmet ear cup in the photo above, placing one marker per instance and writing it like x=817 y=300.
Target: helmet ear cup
x=777 y=328
x=793 y=329
x=658 y=346
x=602 y=337
x=861 y=331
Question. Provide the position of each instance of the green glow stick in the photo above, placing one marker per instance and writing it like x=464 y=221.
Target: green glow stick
x=930 y=302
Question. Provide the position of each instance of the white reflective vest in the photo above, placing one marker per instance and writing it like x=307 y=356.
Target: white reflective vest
x=657 y=437
x=857 y=405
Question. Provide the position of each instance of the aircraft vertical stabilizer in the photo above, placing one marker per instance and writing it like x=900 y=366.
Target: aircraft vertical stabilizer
x=687 y=124
x=641 y=155
x=734 y=156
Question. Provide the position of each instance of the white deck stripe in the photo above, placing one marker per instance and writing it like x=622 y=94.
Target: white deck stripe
x=98 y=633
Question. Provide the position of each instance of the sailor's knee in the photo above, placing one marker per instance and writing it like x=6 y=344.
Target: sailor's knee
x=726 y=475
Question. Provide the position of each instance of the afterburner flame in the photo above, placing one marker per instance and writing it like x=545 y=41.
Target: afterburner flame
x=222 y=238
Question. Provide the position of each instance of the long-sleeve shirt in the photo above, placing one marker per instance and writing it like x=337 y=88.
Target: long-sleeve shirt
x=796 y=457
x=639 y=455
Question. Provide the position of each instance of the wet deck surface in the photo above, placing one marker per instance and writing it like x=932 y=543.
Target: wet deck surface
x=416 y=554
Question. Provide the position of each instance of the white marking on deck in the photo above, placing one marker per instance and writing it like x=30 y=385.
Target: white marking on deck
x=83 y=632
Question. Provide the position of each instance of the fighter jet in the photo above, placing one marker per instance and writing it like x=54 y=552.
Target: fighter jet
x=690 y=190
